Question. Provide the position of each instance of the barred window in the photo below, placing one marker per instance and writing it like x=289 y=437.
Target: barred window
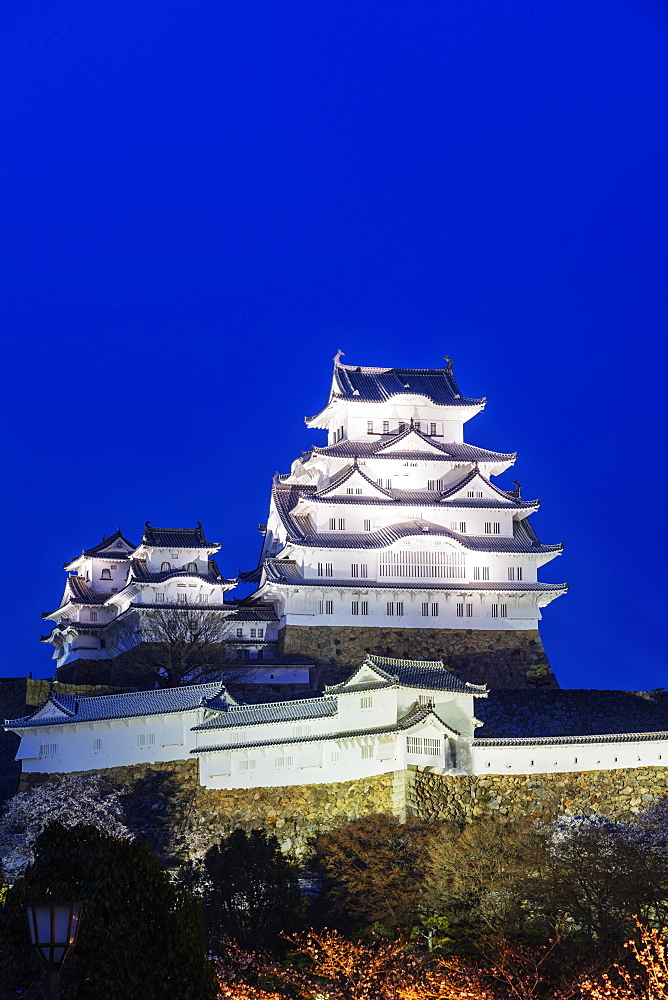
x=358 y=490
x=342 y=524
x=364 y=570
x=367 y=752
x=183 y=598
x=469 y=611
x=47 y=749
x=485 y=572
x=476 y=572
x=302 y=731
x=145 y=739
x=366 y=701
x=97 y=744
x=432 y=428
x=335 y=756
x=93 y=616
x=414 y=744
x=365 y=607
x=283 y=761
x=460 y=610
x=332 y=524
x=160 y=598
x=434 y=609
x=355 y=608
x=497 y=527
x=400 y=608
x=165 y=567
x=495 y=611
x=412 y=564
x=350 y=490
x=488 y=527
x=329 y=607
x=252 y=633
x=369 y=426
x=511 y=572
x=246 y=765
x=425 y=608
x=390 y=607
x=240 y=633
x=328 y=569
x=367 y=524
x=416 y=425
x=470 y=494
x=203 y=598
x=355 y=570
x=260 y=633
x=319 y=569
x=386 y=426
x=432 y=747
x=504 y=610
x=425 y=699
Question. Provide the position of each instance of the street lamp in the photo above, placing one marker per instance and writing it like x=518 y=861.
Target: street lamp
x=54 y=928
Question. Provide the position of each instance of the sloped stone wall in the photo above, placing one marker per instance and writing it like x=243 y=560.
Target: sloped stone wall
x=618 y=794
x=496 y=658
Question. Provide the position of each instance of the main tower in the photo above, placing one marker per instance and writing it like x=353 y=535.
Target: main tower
x=392 y=538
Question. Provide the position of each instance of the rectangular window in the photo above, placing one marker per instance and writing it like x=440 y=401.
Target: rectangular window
x=260 y=633
x=416 y=425
x=414 y=744
x=511 y=572
x=402 y=426
x=390 y=608
x=497 y=527
x=479 y=494
x=47 y=749
x=367 y=752
x=252 y=633
x=430 y=484
x=460 y=610
x=93 y=616
x=386 y=426
x=432 y=747
x=319 y=569
x=321 y=607
x=432 y=428
x=425 y=699
x=367 y=524
x=283 y=761
x=366 y=701
x=350 y=490
x=97 y=744
x=485 y=572
x=488 y=527
x=453 y=525
x=434 y=609
x=495 y=611
x=183 y=598
x=354 y=570
x=355 y=608
x=342 y=524
x=145 y=739
x=470 y=494
x=328 y=569
x=425 y=609
x=161 y=598
x=365 y=607
x=358 y=490
x=332 y=524
x=400 y=608
x=476 y=572
x=246 y=765
x=462 y=527
x=504 y=610
x=369 y=426
x=519 y=573
x=329 y=607
x=364 y=570
x=469 y=611
x=335 y=756
x=240 y=633
x=302 y=731
x=203 y=598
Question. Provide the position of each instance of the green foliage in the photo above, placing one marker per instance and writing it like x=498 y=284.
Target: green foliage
x=251 y=891
x=137 y=938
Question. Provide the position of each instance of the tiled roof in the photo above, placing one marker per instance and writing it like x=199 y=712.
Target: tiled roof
x=302 y=532
x=127 y=706
x=253 y=615
x=78 y=591
x=542 y=741
x=379 y=384
x=354 y=469
x=267 y=713
x=450 y=452
x=117 y=538
x=286 y=571
x=177 y=538
x=140 y=573
x=414 y=717
x=429 y=675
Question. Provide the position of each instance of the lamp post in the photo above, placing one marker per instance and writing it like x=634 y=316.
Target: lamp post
x=53 y=929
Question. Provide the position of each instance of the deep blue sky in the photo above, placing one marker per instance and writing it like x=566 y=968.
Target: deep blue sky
x=200 y=202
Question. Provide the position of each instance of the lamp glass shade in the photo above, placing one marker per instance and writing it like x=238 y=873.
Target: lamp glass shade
x=53 y=929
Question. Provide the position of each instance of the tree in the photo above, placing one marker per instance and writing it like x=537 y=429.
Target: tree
x=372 y=871
x=70 y=800
x=169 y=646
x=251 y=891
x=138 y=938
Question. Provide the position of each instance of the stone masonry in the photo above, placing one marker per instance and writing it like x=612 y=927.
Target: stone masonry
x=497 y=658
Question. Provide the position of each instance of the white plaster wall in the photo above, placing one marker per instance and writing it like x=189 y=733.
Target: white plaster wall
x=119 y=743
x=563 y=757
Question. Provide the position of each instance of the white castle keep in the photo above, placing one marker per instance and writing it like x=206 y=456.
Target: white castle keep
x=391 y=534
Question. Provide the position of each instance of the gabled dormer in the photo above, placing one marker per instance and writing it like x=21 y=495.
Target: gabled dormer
x=410 y=440
x=476 y=490
x=354 y=483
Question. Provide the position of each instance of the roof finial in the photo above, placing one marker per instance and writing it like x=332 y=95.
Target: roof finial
x=412 y=424
x=199 y=525
x=446 y=357
x=517 y=490
x=339 y=354
x=147 y=524
x=118 y=529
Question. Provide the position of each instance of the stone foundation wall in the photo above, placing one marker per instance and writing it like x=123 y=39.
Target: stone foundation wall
x=618 y=794
x=166 y=800
x=498 y=659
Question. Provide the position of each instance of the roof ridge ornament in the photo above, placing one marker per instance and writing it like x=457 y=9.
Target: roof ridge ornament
x=448 y=367
x=339 y=354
